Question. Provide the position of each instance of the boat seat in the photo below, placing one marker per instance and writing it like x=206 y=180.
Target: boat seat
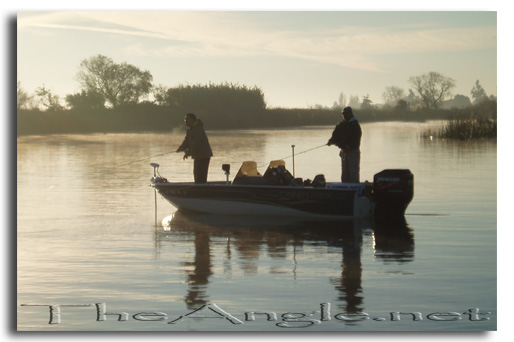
x=248 y=170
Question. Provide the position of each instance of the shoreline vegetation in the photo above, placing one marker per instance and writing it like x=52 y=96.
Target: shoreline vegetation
x=478 y=121
x=119 y=97
x=229 y=106
x=464 y=128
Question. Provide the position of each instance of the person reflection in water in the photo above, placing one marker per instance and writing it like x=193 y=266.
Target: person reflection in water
x=347 y=136
x=198 y=278
x=196 y=145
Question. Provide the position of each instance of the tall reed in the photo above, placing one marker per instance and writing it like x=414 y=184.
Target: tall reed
x=464 y=127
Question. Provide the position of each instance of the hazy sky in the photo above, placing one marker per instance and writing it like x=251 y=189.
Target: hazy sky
x=298 y=59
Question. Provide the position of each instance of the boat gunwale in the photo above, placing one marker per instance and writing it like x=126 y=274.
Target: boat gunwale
x=259 y=186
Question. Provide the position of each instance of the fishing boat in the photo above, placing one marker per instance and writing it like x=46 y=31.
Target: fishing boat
x=278 y=193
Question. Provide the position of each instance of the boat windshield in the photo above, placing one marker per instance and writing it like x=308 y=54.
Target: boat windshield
x=248 y=169
x=274 y=164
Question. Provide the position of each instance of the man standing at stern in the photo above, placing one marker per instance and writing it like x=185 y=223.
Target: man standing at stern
x=196 y=145
x=347 y=136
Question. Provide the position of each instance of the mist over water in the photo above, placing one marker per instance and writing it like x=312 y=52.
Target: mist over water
x=90 y=233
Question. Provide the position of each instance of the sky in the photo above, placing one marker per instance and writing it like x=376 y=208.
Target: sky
x=298 y=58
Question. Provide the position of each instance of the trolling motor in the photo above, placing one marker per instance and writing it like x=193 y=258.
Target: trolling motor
x=155 y=168
x=156 y=179
x=226 y=168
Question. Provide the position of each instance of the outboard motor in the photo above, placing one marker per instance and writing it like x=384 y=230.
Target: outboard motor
x=393 y=190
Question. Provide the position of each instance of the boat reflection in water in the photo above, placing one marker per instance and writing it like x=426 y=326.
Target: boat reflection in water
x=282 y=238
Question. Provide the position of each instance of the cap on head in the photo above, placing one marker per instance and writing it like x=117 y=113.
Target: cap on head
x=190 y=116
x=347 y=110
x=190 y=119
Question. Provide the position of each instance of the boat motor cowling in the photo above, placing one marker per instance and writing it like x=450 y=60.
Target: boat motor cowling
x=393 y=190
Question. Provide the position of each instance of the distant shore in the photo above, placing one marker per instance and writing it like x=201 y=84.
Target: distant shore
x=149 y=117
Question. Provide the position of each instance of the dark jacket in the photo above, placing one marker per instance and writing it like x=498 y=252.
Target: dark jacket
x=347 y=135
x=196 y=144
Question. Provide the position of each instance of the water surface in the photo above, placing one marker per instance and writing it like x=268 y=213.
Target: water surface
x=92 y=245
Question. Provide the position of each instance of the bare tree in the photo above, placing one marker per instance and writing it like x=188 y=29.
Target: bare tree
x=119 y=84
x=392 y=95
x=48 y=100
x=354 y=102
x=478 y=93
x=342 y=100
x=159 y=93
x=23 y=99
x=366 y=103
x=433 y=88
x=413 y=100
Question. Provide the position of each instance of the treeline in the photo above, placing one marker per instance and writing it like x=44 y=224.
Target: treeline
x=219 y=107
x=119 y=97
x=151 y=117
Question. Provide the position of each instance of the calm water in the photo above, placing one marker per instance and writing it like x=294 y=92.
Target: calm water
x=91 y=243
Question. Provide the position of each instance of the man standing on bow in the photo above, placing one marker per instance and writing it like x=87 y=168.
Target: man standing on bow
x=347 y=136
x=196 y=145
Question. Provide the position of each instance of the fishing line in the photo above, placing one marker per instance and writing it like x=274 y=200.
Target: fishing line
x=166 y=153
x=137 y=161
x=289 y=156
x=146 y=158
x=311 y=149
